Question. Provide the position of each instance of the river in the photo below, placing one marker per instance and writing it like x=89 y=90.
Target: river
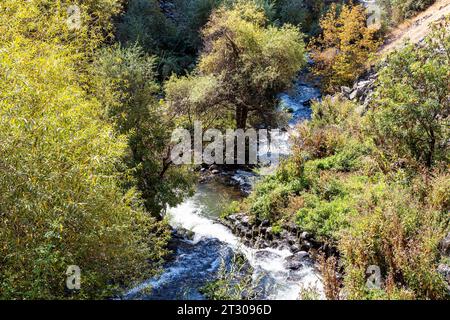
x=198 y=257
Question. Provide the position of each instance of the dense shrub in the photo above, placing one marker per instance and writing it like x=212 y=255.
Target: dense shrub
x=324 y=218
x=61 y=201
x=411 y=110
x=125 y=83
x=400 y=235
x=271 y=197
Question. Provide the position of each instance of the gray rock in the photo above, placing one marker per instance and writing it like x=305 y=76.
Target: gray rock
x=293 y=228
x=265 y=223
x=284 y=246
x=274 y=244
x=354 y=94
x=261 y=244
x=444 y=245
x=305 y=246
x=291 y=240
x=293 y=265
x=305 y=235
x=301 y=255
x=297 y=260
x=357 y=93
x=364 y=84
x=284 y=234
x=346 y=90
x=245 y=220
x=445 y=271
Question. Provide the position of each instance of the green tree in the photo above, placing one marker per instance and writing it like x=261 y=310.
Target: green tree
x=303 y=13
x=246 y=60
x=125 y=83
x=410 y=116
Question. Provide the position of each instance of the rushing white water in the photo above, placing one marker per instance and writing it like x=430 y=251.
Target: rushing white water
x=197 y=259
x=271 y=263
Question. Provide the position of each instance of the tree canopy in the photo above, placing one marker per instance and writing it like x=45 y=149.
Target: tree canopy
x=342 y=51
x=410 y=114
x=247 y=60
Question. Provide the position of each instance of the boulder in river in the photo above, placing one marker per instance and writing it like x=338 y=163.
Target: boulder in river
x=305 y=235
x=298 y=260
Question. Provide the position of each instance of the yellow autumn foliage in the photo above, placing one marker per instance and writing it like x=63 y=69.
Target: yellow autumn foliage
x=342 y=52
x=61 y=202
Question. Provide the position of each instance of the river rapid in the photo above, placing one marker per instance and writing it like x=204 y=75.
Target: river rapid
x=209 y=244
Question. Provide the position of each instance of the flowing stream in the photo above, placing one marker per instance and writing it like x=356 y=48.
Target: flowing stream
x=198 y=257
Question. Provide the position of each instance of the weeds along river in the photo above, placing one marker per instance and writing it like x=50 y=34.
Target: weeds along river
x=198 y=256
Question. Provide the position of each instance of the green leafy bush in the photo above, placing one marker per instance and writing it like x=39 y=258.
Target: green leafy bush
x=324 y=218
x=409 y=118
x=125 y=83
x=400 y=235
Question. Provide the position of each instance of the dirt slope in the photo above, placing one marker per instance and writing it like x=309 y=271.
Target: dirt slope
x=416 y=29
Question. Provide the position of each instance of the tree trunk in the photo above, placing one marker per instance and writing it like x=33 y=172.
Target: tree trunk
x=432 y=144
x=241 y=117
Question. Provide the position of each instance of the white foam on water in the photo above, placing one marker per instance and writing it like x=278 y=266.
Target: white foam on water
x=266 y=262
x=187 y=215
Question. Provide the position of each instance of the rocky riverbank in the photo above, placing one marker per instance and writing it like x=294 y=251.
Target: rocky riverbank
x=260 y=235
